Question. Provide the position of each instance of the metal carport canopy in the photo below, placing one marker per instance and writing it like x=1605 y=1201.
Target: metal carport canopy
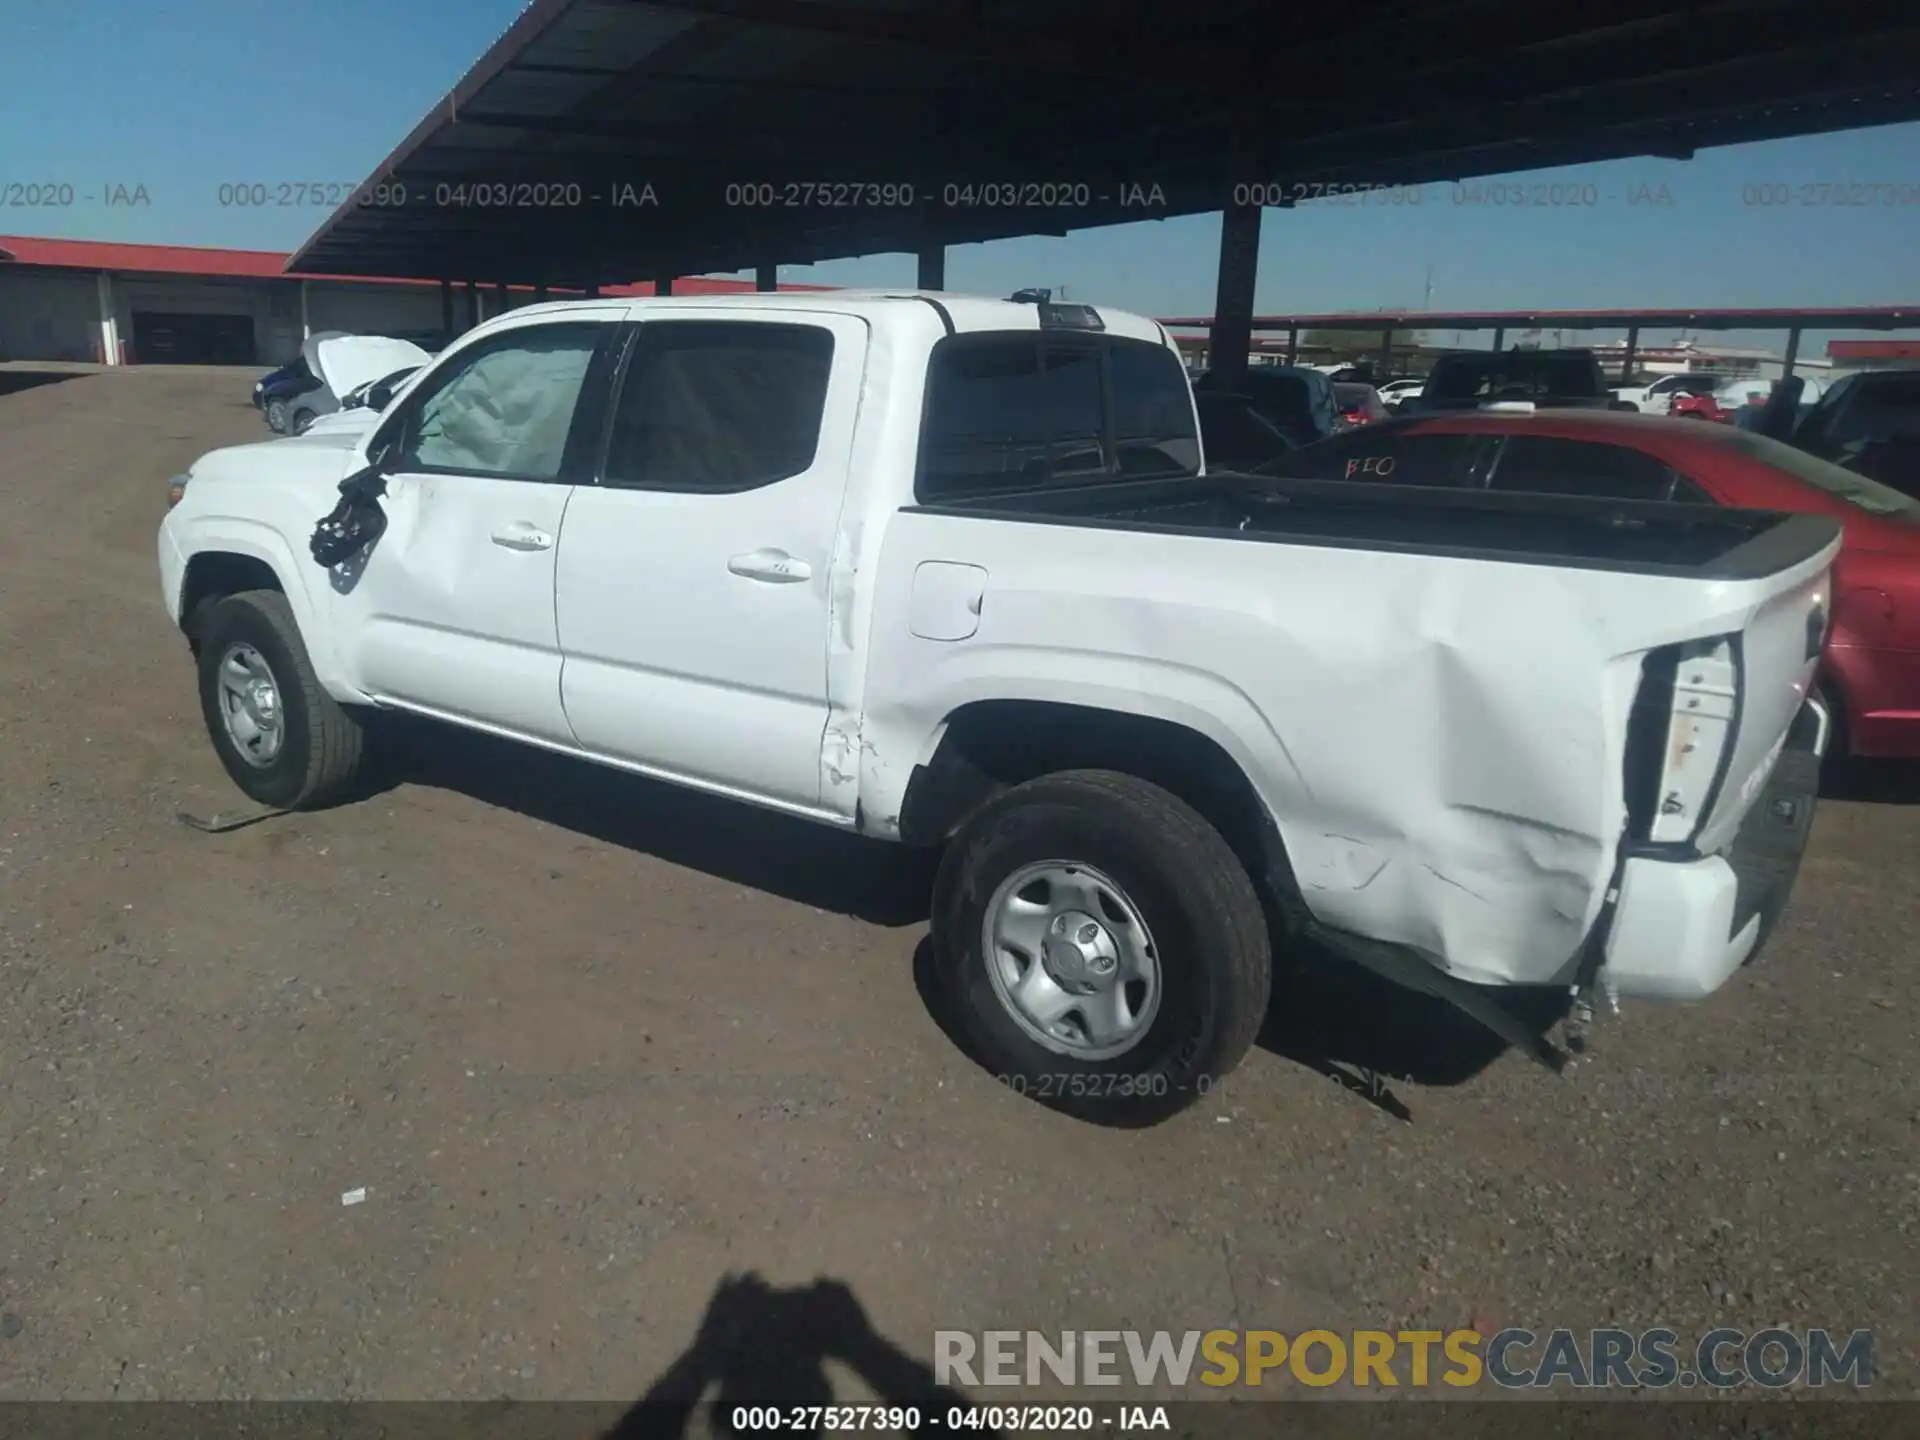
x=660 y=111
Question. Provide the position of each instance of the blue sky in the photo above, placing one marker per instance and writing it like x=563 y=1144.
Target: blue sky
x=177 y=99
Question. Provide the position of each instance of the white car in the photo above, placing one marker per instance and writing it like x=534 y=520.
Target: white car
x=1394 y=391
x=1751 y=390
x=948 y=572
x=342 y=364
x=364 y=404
x=1657 y=397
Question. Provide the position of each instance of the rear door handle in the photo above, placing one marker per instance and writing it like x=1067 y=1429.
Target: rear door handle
x=772 y=567
x=522 y=535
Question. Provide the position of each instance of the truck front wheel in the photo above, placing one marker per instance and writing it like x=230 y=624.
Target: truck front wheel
x=281 y=737
x=1104 y=949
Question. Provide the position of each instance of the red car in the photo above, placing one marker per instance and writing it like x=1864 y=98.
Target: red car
x=1871 y=674
x=1698 y=407
x=1359 y=404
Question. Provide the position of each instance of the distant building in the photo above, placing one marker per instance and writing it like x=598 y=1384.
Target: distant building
x=1687 y=357
x=113 y=304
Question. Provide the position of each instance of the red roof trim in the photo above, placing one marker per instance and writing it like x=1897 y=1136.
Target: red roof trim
x=1873 y=349
x=218 y=264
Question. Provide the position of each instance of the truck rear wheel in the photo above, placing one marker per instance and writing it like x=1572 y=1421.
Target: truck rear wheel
x=281 y=737
x=1104 y=948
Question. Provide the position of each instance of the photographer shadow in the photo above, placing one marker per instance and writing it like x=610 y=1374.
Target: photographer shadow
x=762 y=1346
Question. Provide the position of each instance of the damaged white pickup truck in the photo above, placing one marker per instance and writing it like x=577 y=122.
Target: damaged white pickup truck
x=949 y=571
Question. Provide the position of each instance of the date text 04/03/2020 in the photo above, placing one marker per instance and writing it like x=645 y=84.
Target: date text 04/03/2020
x=977 y=1419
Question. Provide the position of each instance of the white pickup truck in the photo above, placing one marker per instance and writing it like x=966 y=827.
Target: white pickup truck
x=949 y=571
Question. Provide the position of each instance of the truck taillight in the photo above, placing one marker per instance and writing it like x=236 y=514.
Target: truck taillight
x=1680 y=737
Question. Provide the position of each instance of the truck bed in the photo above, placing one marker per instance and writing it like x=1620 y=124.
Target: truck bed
x=1648 y=537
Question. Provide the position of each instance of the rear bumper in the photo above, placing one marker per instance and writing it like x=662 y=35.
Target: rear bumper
x=1680 y=928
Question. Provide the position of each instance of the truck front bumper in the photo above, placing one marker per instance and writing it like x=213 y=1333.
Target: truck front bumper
x=1680 y=928
x=173 y=568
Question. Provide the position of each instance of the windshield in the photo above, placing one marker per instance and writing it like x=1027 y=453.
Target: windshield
x=1884 y=407
x=1858 y=491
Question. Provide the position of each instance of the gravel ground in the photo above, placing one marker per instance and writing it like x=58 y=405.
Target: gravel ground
x=591 y=1047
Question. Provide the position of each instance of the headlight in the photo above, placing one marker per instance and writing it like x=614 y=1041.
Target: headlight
x=176 y=488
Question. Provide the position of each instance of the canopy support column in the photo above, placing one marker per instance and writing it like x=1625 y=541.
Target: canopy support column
x=932 y=260
x=1232 y=334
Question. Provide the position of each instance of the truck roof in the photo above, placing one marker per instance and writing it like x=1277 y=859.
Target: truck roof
x=968 y=313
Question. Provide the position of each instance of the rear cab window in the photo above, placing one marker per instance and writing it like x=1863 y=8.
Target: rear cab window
x=1020 y=410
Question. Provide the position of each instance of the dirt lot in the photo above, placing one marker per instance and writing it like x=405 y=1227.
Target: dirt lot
x=590 y=1047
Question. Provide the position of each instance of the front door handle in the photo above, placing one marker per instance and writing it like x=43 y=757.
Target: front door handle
x=522 y=535
x=773 y=567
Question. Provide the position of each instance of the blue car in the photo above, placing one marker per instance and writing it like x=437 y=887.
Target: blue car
x=274 y=392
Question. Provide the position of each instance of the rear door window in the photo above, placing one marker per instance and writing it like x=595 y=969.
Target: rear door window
x=720 y=407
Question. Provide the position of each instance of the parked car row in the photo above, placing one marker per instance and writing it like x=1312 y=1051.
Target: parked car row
x=953 y=572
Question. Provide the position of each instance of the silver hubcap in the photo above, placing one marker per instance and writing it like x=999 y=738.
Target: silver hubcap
x=250 y=705
x=1071 y=960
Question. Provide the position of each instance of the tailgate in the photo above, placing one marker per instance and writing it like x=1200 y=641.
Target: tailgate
x=1734 y=699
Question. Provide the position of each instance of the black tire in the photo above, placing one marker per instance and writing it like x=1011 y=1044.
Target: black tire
x=276 y=413
x=1191 y=893
x=302 y=419
x=323 y=749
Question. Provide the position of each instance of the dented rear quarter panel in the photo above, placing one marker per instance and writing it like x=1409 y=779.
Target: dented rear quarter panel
x=1440 y=740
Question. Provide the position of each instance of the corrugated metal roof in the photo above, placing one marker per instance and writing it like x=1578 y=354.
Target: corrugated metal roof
x=794 y=131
